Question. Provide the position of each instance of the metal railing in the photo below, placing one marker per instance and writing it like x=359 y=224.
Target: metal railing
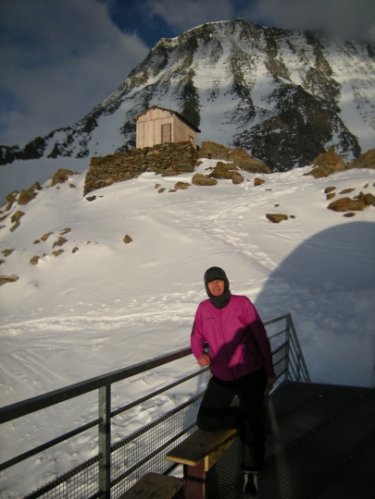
x=117 y=465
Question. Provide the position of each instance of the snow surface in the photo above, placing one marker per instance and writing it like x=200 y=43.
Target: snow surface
x=110 y=304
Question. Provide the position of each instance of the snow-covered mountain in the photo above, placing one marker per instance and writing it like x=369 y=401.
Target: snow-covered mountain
x=283 y=95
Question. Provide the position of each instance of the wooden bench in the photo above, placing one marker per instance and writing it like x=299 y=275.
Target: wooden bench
x=198 y=453
x=156 y=486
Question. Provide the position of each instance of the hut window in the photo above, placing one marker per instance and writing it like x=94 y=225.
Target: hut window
x=166 y=133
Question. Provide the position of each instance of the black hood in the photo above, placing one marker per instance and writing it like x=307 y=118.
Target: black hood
x=212 y=274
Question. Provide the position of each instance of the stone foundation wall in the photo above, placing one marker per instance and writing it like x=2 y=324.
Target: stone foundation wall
x=165 y=159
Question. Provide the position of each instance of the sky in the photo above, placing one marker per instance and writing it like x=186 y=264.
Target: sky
x=103 y=305
x=59 y=59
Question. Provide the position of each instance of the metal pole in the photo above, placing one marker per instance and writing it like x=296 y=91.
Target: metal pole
x=298 y=346
x=105 y=442
x=287 y=335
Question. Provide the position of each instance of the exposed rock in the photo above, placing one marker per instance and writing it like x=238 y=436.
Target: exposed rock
x=243 y=160
x=237 y=178
x=46 y=236
x=7 y=252
x=258 y=181
x=327 y=163
x=34 y=260
x=57 y=252
x=65 y=231
x=181 y=186
x=213 y=150
x=127 y=239
x=348 y=190
x=369 y=199
x=352 y=204
x=239 y=156
x=61 y=175
x=8 y=278
x=366 y=160
x=227 y=171
x=17 y=216
x=59 y=242
x=200 y=179
x=11 y=198
x=75 y=249
x=223 y=170
x=27 y=195
x=276 y=217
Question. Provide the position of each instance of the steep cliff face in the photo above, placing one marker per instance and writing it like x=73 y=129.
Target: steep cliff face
x=285 y=96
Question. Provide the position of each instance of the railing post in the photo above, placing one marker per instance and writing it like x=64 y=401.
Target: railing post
x=104 y=405
x=288 y=377
x=301 y=360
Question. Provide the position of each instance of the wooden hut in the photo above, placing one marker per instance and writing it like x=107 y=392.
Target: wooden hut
x=159 y=125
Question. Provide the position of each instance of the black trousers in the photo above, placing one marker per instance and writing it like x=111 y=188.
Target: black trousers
x=217 y=413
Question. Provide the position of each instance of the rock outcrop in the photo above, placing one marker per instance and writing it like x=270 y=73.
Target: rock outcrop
x=239 y=156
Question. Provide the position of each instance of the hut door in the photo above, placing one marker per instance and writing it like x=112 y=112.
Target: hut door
x=166 y=134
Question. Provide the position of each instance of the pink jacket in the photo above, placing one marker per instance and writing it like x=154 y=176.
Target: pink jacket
x=236 y=337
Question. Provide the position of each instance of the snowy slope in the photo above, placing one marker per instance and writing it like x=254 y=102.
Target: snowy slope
x=110 y=304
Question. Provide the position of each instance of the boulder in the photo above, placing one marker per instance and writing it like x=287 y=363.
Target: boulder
x=239 y=156
x=327 y=163
x=276 y=217
x=200 y=179
x=349 y=204
x=365 y=160
x=127 y=239
x=8 y=278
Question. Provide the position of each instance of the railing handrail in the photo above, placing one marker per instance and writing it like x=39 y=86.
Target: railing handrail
x=27 y=406
x=32 y=404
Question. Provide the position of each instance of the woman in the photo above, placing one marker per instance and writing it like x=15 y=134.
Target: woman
x=240 y=359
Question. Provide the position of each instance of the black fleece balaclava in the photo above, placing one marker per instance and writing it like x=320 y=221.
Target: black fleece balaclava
x=217 y=273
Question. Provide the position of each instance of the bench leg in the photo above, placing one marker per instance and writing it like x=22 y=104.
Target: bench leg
x=195 y=481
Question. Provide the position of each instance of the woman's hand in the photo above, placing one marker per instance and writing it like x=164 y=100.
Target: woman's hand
x=204 y=360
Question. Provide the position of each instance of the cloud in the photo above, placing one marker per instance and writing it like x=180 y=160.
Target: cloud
x=58 y=60
x=190 y=13
x=347 y=19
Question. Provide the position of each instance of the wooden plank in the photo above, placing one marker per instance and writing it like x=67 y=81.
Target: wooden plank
x=155 y=486
x=202 y=445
